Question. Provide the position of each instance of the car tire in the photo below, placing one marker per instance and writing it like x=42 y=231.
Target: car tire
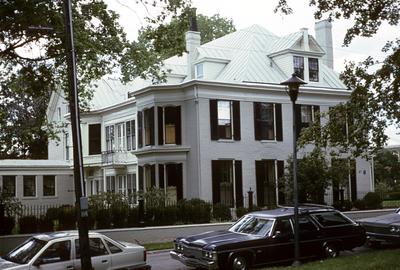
x=374 y=244
x=331 y=251
x=239 y=262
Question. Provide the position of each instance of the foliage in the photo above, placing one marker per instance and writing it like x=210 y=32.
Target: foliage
x=194 y=211
x=394 y=196
x=66 y=217
x=372 y=200
x=12 y=206
x=359 y=204
x=7 y=225
x=373 y=103
x=45 y=224
x=344 y=205
x=221 y=212
x=28 y=224
x=387 y=169
x=33 y=64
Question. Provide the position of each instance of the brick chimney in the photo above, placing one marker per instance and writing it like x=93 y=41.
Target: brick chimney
x=323 y=34
x=192 y=38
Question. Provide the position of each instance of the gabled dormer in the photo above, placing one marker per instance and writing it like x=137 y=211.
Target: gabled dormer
x=299 y=53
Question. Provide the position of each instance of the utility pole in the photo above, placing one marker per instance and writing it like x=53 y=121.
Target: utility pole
x=81 y=200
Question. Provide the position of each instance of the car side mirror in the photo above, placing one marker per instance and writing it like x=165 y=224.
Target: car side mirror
x=38 y=262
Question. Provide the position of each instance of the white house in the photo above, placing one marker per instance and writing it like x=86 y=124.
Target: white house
x=219 y=126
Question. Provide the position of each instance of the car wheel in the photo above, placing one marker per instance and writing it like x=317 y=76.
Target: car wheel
x=239 y=263
x=374 y=244
x=331 y=251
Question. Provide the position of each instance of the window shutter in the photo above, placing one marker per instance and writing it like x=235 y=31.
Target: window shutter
x=140 y=129
x=259 y=182
x=236 y=120
x=179 y=183
x=160 y=126
x=151 y=115
x=140 y=178
x=257 y=124
x=214 y=119
x=178 y=126
x=238 y=183
x=281 y=183
x=215 y=168
x=317 y=118
x=153 y=175
x=298 y=120
x=94 y=139
x=278 y=122
x=161 y=175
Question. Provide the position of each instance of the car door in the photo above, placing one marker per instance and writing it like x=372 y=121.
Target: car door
x=309 y=237
x=282 y=248
x=101 y=259
x=56 y=256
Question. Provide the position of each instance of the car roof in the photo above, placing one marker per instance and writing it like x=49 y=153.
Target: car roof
x=61 y=234
x=284 y=211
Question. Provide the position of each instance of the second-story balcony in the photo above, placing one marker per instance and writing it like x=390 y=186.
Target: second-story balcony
x=113 y=157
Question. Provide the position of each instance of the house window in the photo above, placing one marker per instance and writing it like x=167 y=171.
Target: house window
x=29 y=183
x=130 y=135
x=305 y=116
x=122 y=184
x=110 y=146
x=110 y=183
x=227 y=182
x=66 y=143
x=298 y=66
x=225 y=119
x=49 y=185
x=266 y=183
x=200 y=71
x=267 y=121
x=120 y=138
x=9 y=185
x=148 y=121
x=59 y=113
x=169 y=125
x=131 y=186
x=149 y=177
x=313 y=69
x=95 y=139
x=170 y=179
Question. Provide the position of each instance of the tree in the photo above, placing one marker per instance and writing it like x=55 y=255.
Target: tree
x=387 y=169
x=374 y=101
x=32 y=62
x=163 y=41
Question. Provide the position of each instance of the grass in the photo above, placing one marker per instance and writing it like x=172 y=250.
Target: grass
x=158 y=246
x=391 y=204
x=371 y=260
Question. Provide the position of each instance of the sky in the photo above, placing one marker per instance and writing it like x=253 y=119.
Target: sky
x=245 y=13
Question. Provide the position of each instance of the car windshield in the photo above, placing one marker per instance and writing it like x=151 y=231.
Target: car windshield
x=26 y=251
x=253 y=225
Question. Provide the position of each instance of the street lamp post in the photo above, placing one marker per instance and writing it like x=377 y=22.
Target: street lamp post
x=293 y=84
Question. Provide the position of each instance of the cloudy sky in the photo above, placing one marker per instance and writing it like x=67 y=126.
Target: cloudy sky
x=248 y=12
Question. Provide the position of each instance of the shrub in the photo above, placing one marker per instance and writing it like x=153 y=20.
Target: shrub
x=7 y=225
x=359 y=204
x=66 y=218
x=44 y=224
x=394 y=196
x=119 y=214
x=372 y=200
x=241 y=211
x=194 y=211
x=344 y=205
x=28 y=224
x=52 y=213
x=221 y=212
x=133 y=217
x=103 y=218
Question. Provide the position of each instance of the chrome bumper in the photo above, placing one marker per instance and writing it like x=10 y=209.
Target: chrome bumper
x=193 y=262
x=383 y=237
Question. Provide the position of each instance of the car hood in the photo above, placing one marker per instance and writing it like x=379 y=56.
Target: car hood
x=216 y=238
x=4 y=264
x=388 y=219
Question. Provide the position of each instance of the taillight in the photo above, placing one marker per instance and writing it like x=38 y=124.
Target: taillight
x=144 y=255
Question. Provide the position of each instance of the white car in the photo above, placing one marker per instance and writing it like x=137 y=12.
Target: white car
x=60 y=250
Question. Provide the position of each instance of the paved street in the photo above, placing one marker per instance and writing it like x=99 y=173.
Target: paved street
x=160 y=260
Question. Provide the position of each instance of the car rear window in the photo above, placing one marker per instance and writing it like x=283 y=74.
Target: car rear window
x=328 y=219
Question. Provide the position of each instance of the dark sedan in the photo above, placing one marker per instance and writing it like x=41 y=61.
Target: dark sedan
x=385 y=228
x=266 y=237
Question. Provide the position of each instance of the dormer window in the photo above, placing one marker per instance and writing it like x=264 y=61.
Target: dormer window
x=199 y=71
x=313 y=69
x=298 y=66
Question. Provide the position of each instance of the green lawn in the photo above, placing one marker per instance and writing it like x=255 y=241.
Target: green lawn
x=371 y=260
x=158 y=246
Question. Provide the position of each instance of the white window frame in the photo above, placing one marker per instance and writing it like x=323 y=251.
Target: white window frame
x=55 y=186
x=23 y=187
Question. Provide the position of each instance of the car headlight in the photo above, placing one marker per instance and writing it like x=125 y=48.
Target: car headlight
x=209 y=255
x=394 y=229
x=178 y=247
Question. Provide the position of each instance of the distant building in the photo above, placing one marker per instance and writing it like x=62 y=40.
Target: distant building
x=219 y=126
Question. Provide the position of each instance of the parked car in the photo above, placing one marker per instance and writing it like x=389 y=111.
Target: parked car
x=266 y=237
x=60 y=250
x=384 y=228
